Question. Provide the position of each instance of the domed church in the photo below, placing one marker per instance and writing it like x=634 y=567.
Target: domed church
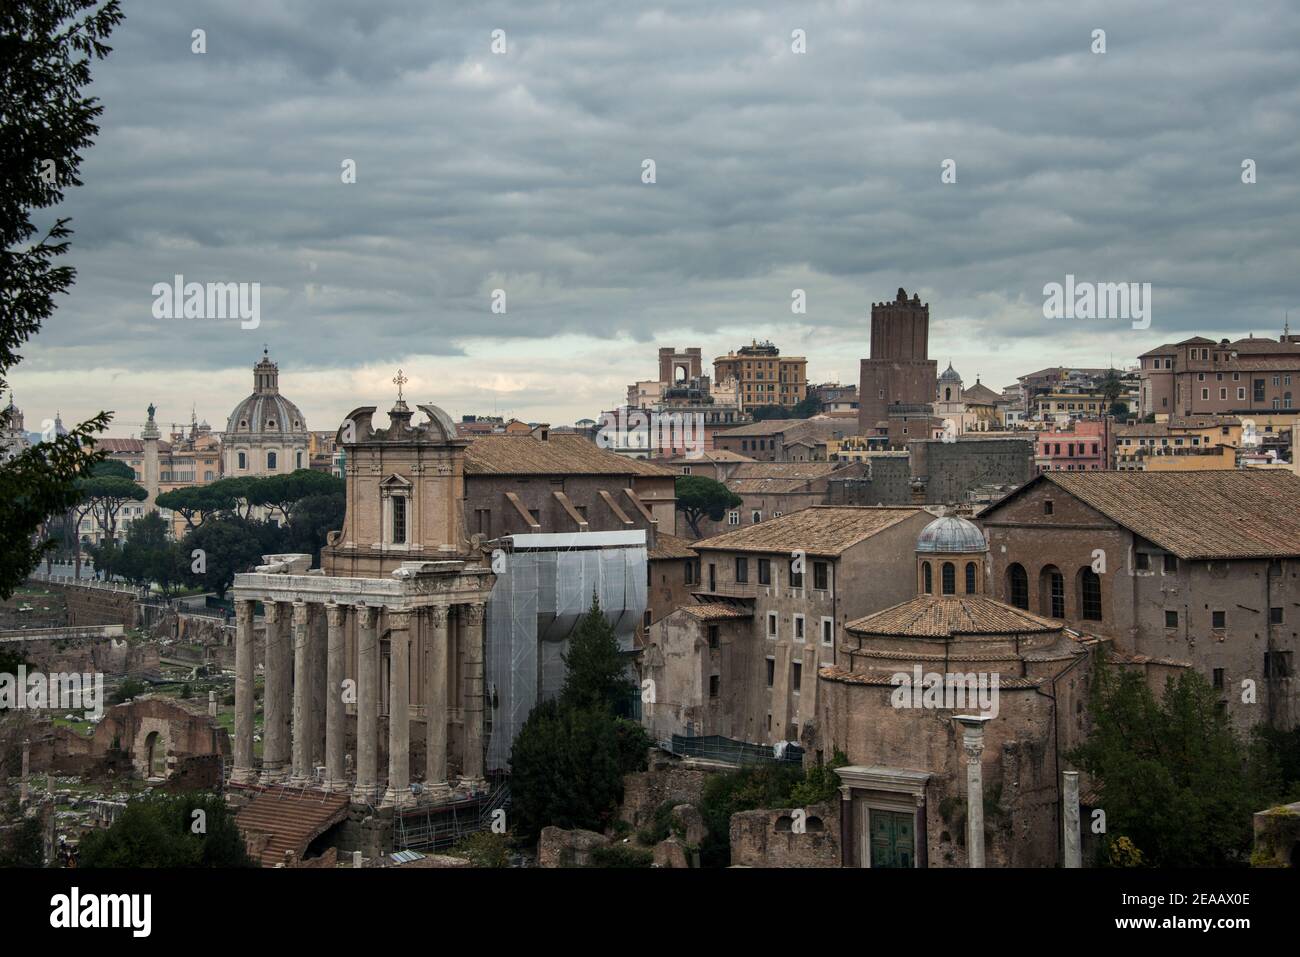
x=266 y=434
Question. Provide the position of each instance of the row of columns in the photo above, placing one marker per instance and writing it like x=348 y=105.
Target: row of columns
x=292 y=700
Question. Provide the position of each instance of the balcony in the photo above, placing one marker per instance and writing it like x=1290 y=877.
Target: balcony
x=727 y=589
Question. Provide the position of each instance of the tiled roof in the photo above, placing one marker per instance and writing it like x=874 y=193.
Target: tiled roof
x=774 y=477
x=1198 y=515
x=788 y=427
x=886 y=679
x=932 y=616
x=716 y=611
x=819 y=530
x=560 y=454
x=980 y=394
x=709 y=455
x=669 y=547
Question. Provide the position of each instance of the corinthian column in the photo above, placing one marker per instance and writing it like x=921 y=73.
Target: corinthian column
x=243 y=772
x=367 y=787
x=435 y=767
x=334 y=731
x=275 y=724
x=399 y=709
x=972 y=733
x=301 y=694
x=471 y=623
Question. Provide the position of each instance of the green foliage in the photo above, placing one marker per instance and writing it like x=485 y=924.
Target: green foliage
x=186 y=691
x=230 y=545
x=1174 y=779
x=45 y=123
x=158 y=831
x=621 y=855
x=128 y=689
x=312 y=518
x=760 y=786
x=807 y=408
x=597 y=676
x=660 y=826
x=698 y=496
x=148 y=555
x=820 y=784
x=567 y=766
x=484 y=849
x=22 y=845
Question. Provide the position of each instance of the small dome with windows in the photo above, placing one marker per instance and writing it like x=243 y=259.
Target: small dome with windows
x=951 y=535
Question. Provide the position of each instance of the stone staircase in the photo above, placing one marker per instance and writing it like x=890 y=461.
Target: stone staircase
x=281 y=819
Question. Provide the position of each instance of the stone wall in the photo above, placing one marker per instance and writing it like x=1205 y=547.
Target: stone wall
x=951 y=469
x=667 y=780
x=97 y=606
x=773 y=838
x=86 y=655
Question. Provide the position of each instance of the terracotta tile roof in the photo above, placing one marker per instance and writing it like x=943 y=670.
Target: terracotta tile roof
x=981 y=394
x=932 y=616
x=709 y=455
x=774 y=477
x=560 y=454
x=716 y=611
x=818 y=530
x=129 y=446
x=1198 y=515
x=788 y=428
x=669 y=547
x=886 y=678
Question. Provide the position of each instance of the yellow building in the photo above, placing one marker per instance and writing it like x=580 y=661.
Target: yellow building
x=764 y=376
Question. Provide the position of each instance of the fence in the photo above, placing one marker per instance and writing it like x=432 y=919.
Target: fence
x=715 y=747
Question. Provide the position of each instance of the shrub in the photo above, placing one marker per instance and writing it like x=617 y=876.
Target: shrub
x=621 y=855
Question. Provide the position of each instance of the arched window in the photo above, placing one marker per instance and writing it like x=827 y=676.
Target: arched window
x=928 y=578
x=1051 y=592
x=270 y=460
x=970 y=578
x=949 y=578
x=1018 y=586
x=1090 y=594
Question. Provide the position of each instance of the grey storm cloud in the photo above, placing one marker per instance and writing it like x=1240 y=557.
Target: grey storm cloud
x=522 y=171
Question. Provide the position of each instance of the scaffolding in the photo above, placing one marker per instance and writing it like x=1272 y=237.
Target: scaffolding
x=438 y=827
x=545 y=584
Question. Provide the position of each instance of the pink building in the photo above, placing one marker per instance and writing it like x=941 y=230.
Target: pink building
x=1081 y=448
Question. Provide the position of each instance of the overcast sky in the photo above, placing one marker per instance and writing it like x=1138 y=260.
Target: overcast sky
x=775 y=171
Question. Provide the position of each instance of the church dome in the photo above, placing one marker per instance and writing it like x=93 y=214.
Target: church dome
x=950 y=375
x=951 y=535
x=265 y=412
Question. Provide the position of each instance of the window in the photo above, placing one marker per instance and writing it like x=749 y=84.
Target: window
x=949 y=578
x=771 y=624
x=755 y=516
x=733 y=518
x=798 y=627
x=929 y=578
x=1018 y=586
x=820 y=576
x=1171 y=619
x=1171 y=564
x=713 y=636
x=970 y=578
x=243 y=460
x=270 y=460
x=796 y=676
x=1275 y=616
x=1218 y=619
x=1142 y=561
x=298 y=460
x=771 y=678
x=689 y=571
x=715 y=685
x=742 y=570
x=1047 y=505
x=399 y=520
x=796 y=578
x=828 y=631
x=1057 y=581
x=764 y=571
x=1090 y=594
x=484 y=519
x=1218 y=679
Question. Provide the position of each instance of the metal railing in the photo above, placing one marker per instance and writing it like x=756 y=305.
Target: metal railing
x=715 y=747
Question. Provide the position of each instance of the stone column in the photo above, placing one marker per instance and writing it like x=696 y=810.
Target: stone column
x=399 y=709
x=212 y=703
x=973 y=744
x=435 y=767
x=366 y=791
x=243 y=772
x=24 y=793
x=471 y=623
x=1073 y=856
x=275 y=724
x=301 y=694
x=335 y=778
x=319 y=668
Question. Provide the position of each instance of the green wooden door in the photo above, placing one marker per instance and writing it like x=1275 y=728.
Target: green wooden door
x=891 y=838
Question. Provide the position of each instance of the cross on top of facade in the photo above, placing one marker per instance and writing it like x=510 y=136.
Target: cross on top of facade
x=400 y=380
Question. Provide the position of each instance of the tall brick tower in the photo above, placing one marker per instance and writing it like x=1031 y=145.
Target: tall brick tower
x=900 y=371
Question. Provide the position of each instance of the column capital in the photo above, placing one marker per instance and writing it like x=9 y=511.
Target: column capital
x=335 y=614
x=272 y=611
x=438 y=615
x=399 y=621
x=244 y=608
x=474 y=613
